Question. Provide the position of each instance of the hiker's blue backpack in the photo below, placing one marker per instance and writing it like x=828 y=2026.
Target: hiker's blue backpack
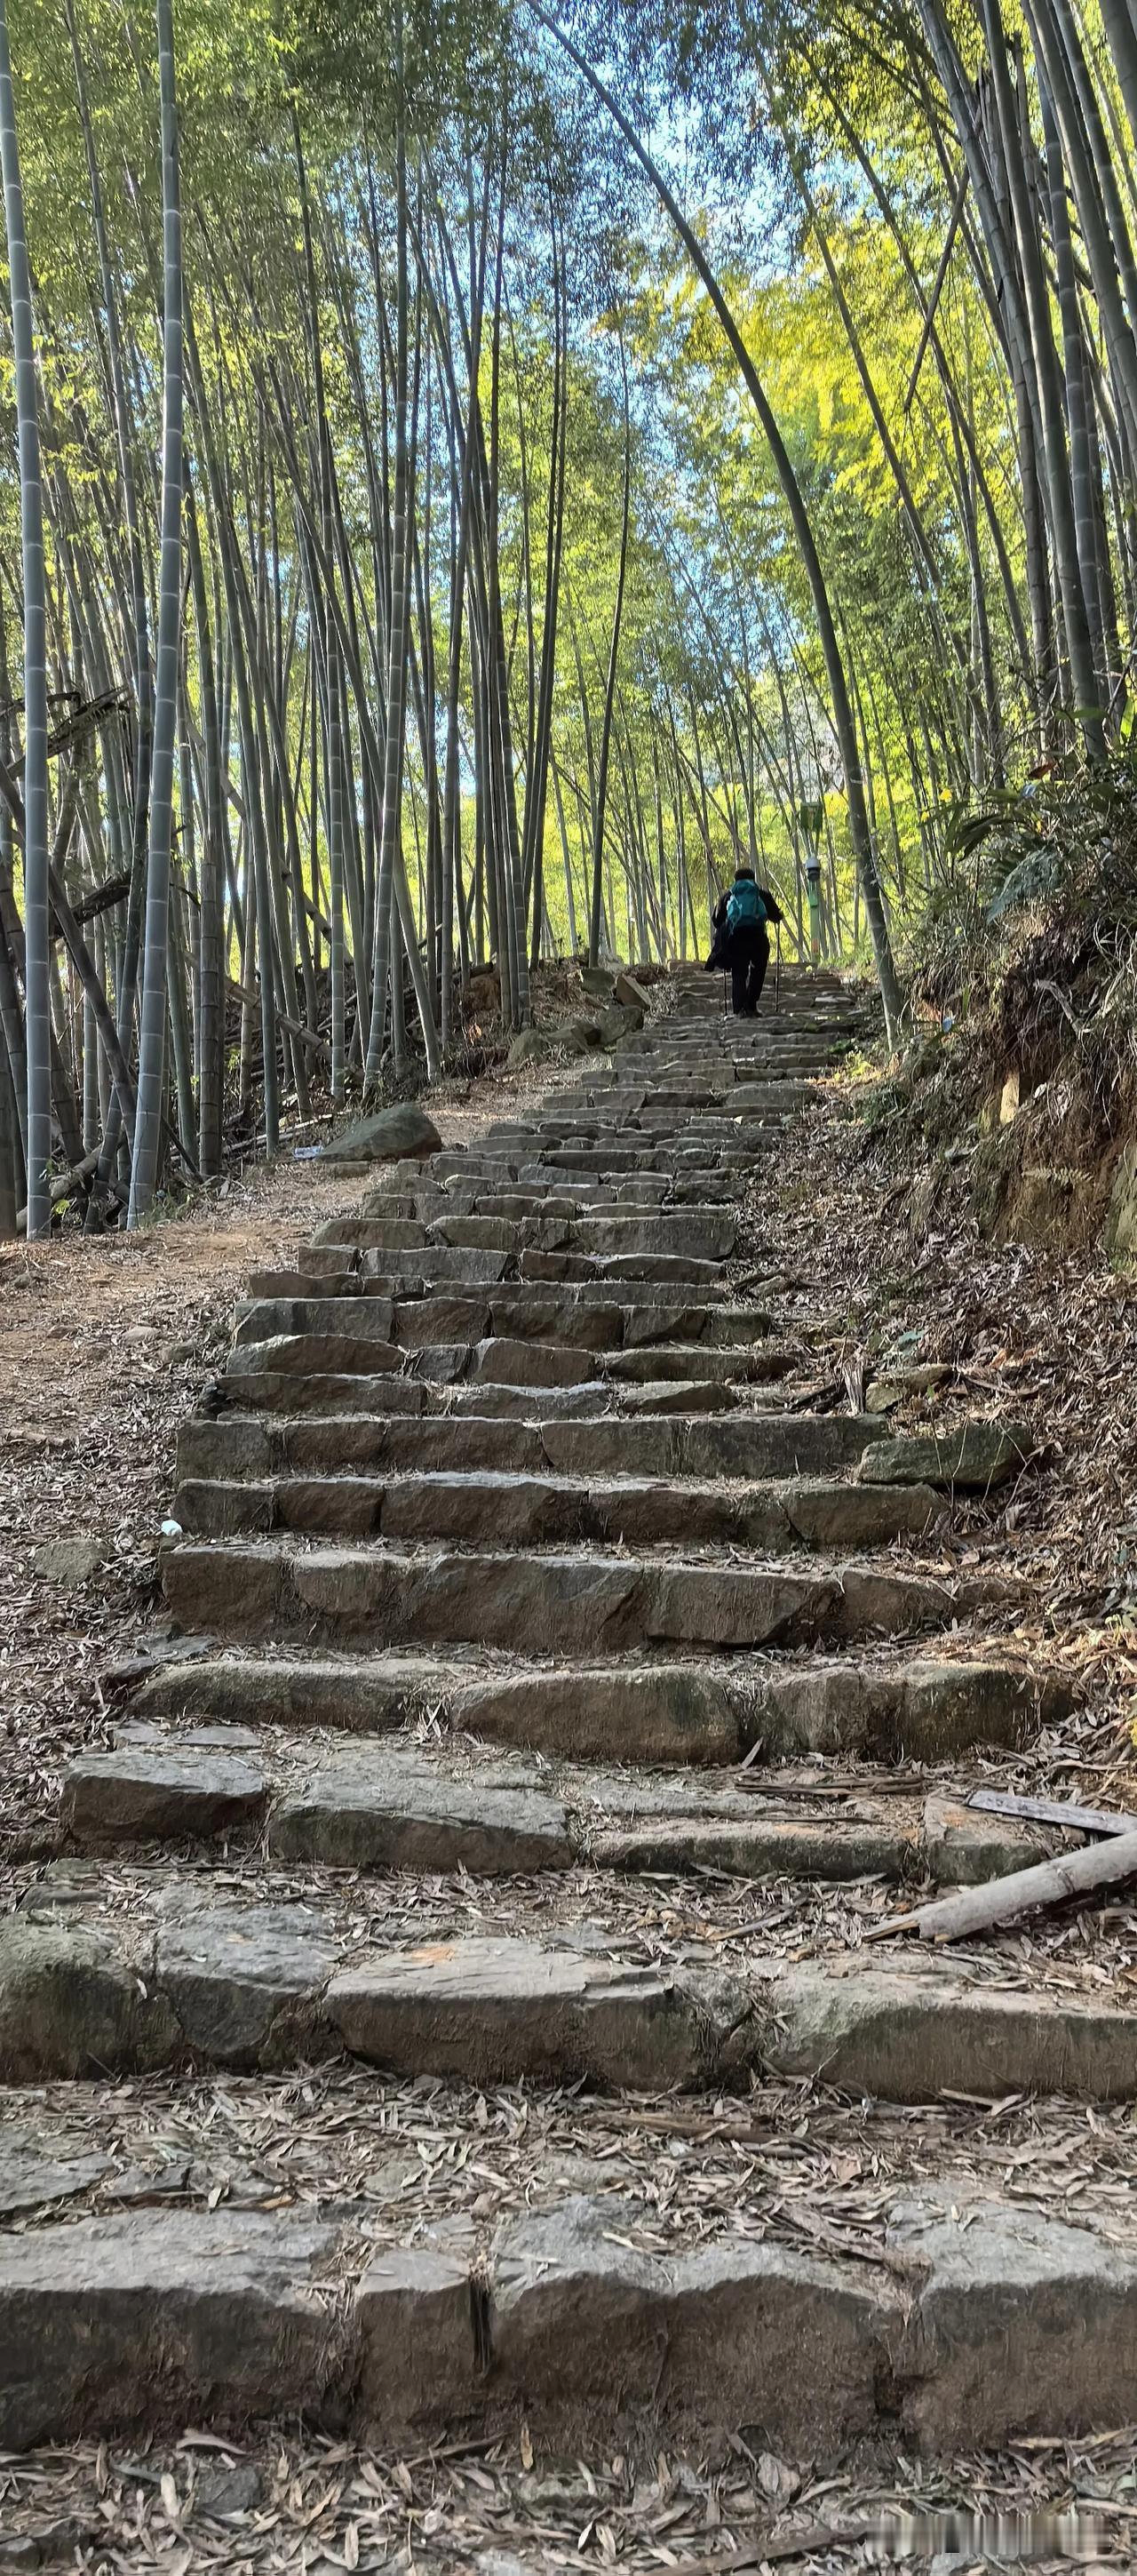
x=745 y=909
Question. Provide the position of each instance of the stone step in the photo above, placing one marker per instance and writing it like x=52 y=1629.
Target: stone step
x=603 y=1242
x=482 y=1506
x=467 y=1193
x=572 y=2318
x=557 y=1166
x=721 y=1046
x=699 y=1089
x=502 y=1360
x=391 y=1274
x=372 y=1805
x=695 y=1083
x=771 y=1028
x=593 y=1317
x=330 y=1595
x=803 y=1054
x=752 y=1363
x=616 y=1119
x=294 y=1378
x=677 y=1713
x=749 y=1446
x=703 y=1234
x=642 y=1103
x=711 y=1130
x=236 y=1982
x=694 y=1121
x=399 y=1195
x=562 y=1166
x=716 y=1027
x=342 y=1271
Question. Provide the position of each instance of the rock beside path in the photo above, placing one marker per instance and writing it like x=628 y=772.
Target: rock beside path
x=400 y=1134
x=629 y=993
x=70 y=1562
x=530 y=1046
x=978 y=1456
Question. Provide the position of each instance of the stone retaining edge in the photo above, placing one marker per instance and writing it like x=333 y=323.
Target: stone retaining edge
x=979 y=2324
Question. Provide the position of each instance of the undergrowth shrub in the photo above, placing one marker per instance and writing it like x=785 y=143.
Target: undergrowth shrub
x=1027 y=960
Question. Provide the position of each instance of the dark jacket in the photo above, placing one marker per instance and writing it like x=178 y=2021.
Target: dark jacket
x=723 y=940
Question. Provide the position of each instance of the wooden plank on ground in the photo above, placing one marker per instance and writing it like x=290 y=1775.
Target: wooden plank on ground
x=1053 y=1811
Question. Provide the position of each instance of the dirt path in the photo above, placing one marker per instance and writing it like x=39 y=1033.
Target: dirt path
x=105 y=1347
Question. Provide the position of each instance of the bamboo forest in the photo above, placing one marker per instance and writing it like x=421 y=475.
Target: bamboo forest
x=473 y=472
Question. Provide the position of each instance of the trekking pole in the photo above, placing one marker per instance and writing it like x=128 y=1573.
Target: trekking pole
x=778 y=969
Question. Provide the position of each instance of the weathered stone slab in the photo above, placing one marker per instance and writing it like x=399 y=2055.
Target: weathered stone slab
x=782 y=2339
x=910 y=2035
x=527 y=1402
x=398 y=1229
x=508 y=1600
x=511 y=1510
x=923 y=1710
x=441 y=1265
x=365 y=1694
x=244 y=1586
x=965 y=1847
x=321 y=1391
x=1025 y=2323
x=976 y=1458
x=525 y=1314
x=746 y=1447
x=822 y=1514
x=111 y=1798
x=677 y=1396
x=500 y=1361
x=782 y=1846
x=509 y=2010
x=317 y=1356
x=313 y=1320
x=754 y=1364
x=670 y=1713
x=73 y=2004
x=245 y=1981
x=388 y=1811
x=694 y=1235
x=414 y=2311
x=337 y=1281
x=636 y=1271
x=163 y=2317
x=37 y=2172
x=232 y=1445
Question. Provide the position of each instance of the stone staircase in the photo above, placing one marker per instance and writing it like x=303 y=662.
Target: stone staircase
x=543 y=1656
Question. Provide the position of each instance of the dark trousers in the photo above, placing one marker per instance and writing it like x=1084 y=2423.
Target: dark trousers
x=749 y=958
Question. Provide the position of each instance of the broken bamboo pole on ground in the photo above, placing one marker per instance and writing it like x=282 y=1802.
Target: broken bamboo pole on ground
x=1003 y=1900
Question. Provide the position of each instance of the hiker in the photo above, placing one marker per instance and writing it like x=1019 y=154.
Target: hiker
x=740 y=924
